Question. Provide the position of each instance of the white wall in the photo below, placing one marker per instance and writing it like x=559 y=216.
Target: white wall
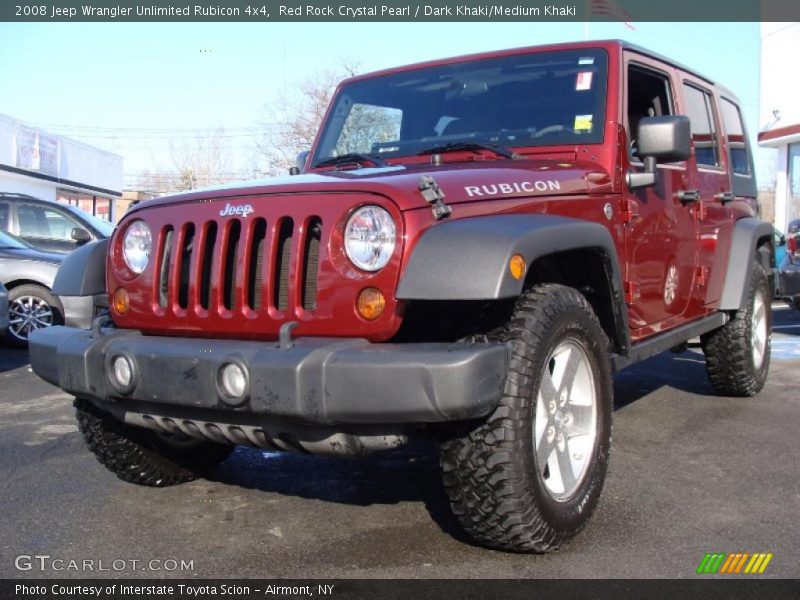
x=780 y=81
x=19 y=184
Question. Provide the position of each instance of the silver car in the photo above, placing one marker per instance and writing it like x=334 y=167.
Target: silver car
x=3 y=309
x=27 y=302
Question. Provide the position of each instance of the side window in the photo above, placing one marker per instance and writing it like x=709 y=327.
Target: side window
x=701 y=117
x=734 y=130
x=648 y=96
x=38 y=221
x=5 y=216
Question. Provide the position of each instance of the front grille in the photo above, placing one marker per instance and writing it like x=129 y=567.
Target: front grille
x=280 y=271
x=311 y=264
x=252 y=264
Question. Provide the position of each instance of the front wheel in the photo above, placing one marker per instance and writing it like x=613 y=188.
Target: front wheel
x=142 y=456
x=738 y=353
x=529 y=477
x=31 y=307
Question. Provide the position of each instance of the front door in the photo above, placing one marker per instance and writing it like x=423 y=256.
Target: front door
x=45 y=228
x=660 y=233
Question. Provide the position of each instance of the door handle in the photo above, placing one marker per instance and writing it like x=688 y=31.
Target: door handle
x=724 y=197
x=687 y=196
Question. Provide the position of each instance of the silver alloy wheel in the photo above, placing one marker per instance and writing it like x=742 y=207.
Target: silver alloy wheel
x=565 y=429
x=26 y=314
x=758 y=329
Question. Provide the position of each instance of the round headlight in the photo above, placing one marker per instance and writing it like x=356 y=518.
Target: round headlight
x=136 y=246
x=369 y=238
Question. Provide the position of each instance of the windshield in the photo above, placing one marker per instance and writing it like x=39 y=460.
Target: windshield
x=9 y=241
x=105 y=228
x=525 y=100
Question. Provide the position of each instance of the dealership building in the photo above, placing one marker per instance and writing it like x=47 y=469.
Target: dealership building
x=780 y=115
x=52 y=167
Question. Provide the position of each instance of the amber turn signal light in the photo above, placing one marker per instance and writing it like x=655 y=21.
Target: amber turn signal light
x=517 y=266
x=371 y=303
x=122 y=301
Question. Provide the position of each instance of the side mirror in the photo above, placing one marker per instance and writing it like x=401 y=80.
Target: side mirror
x=81 y=236
x=299 y=163
x=660 y=139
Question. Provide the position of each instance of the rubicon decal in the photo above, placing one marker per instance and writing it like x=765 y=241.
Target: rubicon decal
x=735 y=563
x=517 y=187
x=242 y=210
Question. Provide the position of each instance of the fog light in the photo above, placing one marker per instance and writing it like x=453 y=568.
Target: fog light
x=123 y=371
x=233 y=380
x=517 y=266
x=122 y=301
x=371 y=303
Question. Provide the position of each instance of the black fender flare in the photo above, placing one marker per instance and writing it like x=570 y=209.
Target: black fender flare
x=83 y=272
x=744 y=243
x=468 y=259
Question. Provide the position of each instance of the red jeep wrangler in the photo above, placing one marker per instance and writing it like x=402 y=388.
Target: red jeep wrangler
x=475 y=245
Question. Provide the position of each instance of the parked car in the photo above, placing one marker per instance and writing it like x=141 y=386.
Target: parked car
x=3 y=309
x=779 y=243
x=49 y=226
x=28 y=275
x=789 y=266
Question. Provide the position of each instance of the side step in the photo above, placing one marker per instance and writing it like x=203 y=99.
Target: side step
x=670 y=339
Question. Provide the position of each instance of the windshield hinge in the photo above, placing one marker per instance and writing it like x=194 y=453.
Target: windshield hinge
x=434 y=196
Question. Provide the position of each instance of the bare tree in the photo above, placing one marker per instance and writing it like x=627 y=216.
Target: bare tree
x=200 y=161
x=154 y=183
x=292 y=119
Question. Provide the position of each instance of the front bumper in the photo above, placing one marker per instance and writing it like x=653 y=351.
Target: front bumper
x=320 y=381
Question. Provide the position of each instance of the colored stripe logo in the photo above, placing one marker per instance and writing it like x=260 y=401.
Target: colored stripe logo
x=735 y=563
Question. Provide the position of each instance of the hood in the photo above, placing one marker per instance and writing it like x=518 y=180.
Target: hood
x=471 y=181
x=32 y=255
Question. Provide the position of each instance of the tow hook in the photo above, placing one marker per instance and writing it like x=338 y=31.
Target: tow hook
x=285 y=335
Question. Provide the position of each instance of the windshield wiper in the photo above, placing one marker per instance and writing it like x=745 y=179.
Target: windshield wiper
x=351 y=158
x=458 y=146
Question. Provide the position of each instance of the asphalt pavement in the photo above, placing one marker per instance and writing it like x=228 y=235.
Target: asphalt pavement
x=690 y=473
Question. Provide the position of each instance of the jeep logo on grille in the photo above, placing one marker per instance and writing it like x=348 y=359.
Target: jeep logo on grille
x=242 y=210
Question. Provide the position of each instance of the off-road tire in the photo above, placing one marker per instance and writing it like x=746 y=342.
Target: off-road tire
x=139 y=456
x=729 y=349
x=38 y=292
x=490 y=473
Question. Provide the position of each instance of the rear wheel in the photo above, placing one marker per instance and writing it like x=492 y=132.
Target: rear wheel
x=31 y=307
x=142 y=456
x=529 y=477
x=738 y=353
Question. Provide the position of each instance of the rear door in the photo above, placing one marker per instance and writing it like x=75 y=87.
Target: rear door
x=710 y=178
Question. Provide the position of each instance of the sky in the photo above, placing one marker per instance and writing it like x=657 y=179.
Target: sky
x=130 y=87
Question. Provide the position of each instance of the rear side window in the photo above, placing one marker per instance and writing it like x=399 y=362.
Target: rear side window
x=734 y=130
x=701 y=117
